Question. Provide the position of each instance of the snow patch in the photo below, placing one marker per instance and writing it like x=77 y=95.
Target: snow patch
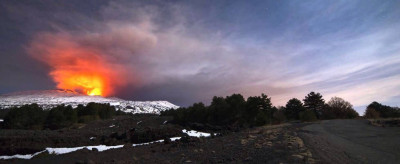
x=27 y=156
x=58 y=151
x=1 y=120
x=147 y=143
x=194 y=133
x=112 y=126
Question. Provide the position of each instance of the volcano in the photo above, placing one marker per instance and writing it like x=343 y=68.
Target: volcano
x=50 y=98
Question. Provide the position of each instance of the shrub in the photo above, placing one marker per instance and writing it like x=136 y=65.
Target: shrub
x=371 y=113
x=34 y=117
x=95 y=111
x=25 y=117
x=3 y=112
x=307 y=116
x=279 y=116
x=88 y=118
x=60 y=117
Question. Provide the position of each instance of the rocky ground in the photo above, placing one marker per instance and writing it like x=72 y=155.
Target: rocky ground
x=271 y=144
x=333 y=141
x=120 y=130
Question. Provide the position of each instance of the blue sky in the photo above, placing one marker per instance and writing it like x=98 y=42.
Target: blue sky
x=189 y=51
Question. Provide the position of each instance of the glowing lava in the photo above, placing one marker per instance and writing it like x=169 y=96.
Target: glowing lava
x=91 y=85
x=77 y=66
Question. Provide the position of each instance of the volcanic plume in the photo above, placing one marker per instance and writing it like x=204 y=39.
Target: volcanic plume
x=77 y=66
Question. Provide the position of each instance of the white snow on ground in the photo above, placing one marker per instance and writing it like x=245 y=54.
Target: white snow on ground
x=164 y=122
x=172 y=139
x=27 y=156
x=59 y=151
x=194 y=133
x=146 y=143
x=112 y=126
x=1 y=120
x=92 y=138
x=175 y=138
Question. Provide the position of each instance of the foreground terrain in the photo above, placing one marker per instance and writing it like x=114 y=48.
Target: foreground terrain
x=333 y=141
x=352 y=141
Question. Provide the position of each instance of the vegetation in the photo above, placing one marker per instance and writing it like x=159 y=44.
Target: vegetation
x=232 y=110
x=34 y=117
x=371 y=113
x=61 y=116
x=26 y=117
x=314 y=102
x=3 y=112
x=338 y=108
x=293 y=108
x=376 y=110
x=307 y=116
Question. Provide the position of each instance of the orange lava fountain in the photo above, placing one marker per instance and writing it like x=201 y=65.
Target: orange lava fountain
x=77 y=67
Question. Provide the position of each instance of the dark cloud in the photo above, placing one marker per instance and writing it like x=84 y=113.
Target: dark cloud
x=186 y=52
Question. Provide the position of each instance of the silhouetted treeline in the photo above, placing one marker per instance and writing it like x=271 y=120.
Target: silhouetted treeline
x=231 y=110
x=234 y=110
x=377 y=110
x=34 y=117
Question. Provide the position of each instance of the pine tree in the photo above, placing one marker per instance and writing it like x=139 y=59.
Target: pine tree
x=314 y=102
x=293 y=108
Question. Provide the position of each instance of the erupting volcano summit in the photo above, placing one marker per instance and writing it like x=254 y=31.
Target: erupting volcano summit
x=76 y=66
x=51 y=98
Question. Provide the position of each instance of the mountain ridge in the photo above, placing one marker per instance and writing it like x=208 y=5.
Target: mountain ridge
x=51 y=98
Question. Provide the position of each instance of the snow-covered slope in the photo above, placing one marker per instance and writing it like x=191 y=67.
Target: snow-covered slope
x=50 y=98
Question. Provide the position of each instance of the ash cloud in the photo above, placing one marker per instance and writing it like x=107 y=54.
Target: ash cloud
x=188 y=52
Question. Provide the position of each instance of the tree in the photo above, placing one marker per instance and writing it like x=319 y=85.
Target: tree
x=341 y=109
x=314 y=102
x=384 y=110
x=259 y=110
x=56 y=118
x=220 y=109
x=231 y=111
x=371 y=113
x=60 y=117
x=236 y=104
x=293 y=108
x=279 y=115
x=25 y=117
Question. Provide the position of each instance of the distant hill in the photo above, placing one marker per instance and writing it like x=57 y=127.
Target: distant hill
x=51 y=98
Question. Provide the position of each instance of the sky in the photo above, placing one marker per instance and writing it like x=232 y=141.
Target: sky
x=189 y=51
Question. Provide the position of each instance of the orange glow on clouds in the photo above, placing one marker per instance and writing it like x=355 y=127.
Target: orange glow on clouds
x=76 y=67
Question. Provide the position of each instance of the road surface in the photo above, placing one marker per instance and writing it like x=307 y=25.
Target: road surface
x=352 y=141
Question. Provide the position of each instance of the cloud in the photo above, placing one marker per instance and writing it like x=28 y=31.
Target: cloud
x=187 y=53
x=93 y=62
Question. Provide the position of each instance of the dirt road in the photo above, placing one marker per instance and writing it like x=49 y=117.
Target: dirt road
x=352 y=141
